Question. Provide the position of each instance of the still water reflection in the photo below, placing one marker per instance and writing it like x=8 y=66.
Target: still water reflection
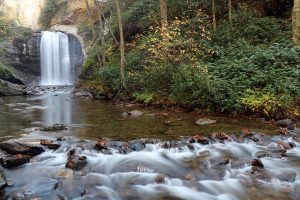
x=57 y=109
x=89 y=119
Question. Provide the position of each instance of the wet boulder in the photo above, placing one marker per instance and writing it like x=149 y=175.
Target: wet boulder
x=55 y=127
x=173 y=144
x=199 y=139
x=205 y=121
x=49 y=144
x=256 y=163
x=3 y=181
x=101 y=144
x=14 y=161
x=285 y=123
x=160 y=179
x=15 y=148
x=10 y=89
x=261 y=154
x=283 y=145
x=137 y=145
x=75 y=162
x=135 y=113
x=220 y=136
x=246 y=133
x=292 y=144
x=278 y=153
x=122 y=147
x=283 y=131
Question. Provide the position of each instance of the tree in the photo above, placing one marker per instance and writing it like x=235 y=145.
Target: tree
x=296 y=22
x=214 y=15
x=164 y=18
x=102 y=34
x=122 y=45
x=230 y=13
x=88 y=11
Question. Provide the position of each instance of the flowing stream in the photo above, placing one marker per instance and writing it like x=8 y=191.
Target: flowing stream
x=165 y=166
x=55 y=59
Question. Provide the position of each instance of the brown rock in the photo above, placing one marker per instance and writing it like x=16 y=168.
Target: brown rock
x=101 y=144
x=160 y=179
x=14 y=161
x=283 y=145
x=49 y=144
x=221 y=136
x=283 y=131
x=199 y=139
x=257 y=163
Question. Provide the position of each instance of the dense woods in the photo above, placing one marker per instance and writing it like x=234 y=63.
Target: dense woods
x=213 y=56
x=218 y=56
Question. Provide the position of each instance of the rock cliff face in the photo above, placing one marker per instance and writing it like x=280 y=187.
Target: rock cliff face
x=20 y=51
x=25 y=12
x=28 y=58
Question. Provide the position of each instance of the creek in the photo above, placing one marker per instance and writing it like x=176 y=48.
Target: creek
x=166 y=165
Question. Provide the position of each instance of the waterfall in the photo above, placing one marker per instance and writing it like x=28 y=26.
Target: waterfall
x=56 y=65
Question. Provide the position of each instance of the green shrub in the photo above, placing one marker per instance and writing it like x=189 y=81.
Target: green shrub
x=5 y=72
x=145 y=97
x=48 y=13
x=191 y=87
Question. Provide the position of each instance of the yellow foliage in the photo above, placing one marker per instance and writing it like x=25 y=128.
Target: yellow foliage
x=184 y=41
x=264 y=103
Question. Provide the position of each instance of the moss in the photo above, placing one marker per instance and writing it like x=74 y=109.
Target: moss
x=5 y=72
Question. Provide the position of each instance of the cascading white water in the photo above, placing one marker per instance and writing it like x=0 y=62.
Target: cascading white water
x=55 y=59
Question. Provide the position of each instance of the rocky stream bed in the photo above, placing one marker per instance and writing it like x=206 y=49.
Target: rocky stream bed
x=75 y=160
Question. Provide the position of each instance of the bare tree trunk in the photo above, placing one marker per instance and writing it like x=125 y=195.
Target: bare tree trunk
x=230 y=13
x=296 y=22
x=112 y=34
x=102 y=34
x=122 y=45
x=164 y=18
x=88 y=11
x=214 y=15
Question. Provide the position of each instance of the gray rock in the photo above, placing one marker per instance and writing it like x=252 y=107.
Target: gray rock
x=15 y=148
x=10 y=89
x=3 y=182
x=138 y=146
x=135 y=113
x=205 y=121
x=285 y=123
x=55 y=127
